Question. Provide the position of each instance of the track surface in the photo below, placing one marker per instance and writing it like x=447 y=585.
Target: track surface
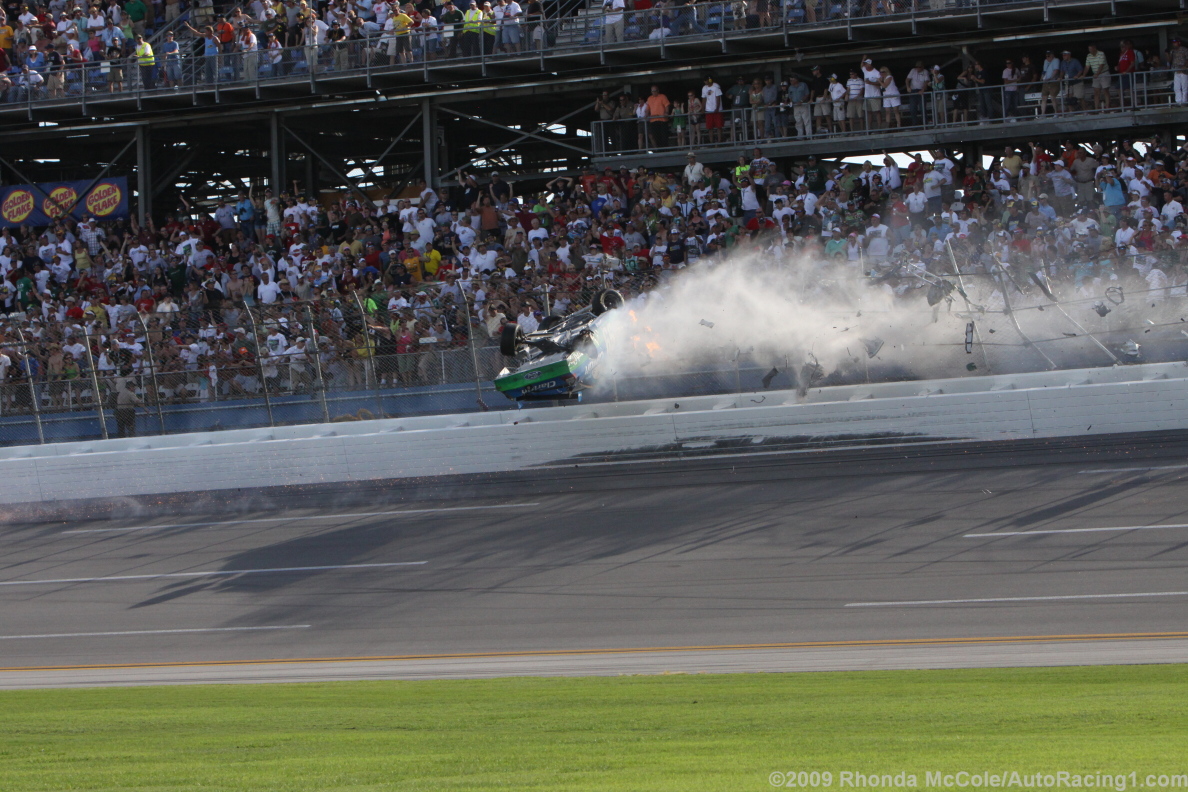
x=810 y=553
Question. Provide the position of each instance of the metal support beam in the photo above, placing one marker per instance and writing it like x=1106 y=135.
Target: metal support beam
x=276 y=155
x=368 y=168
x=583 y=151
x=171 y=175
x=523 y=136
x=429 y=141
x=351 y=183
x=144 y=176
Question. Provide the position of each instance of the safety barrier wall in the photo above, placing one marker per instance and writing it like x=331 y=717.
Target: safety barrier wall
x=1051 y=404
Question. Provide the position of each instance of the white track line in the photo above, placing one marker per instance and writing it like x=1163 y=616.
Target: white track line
x=1042 y=531
x=208 y=573
x=153 y=632
x=1015 y=599
x=305 y=517
x=1133 y=469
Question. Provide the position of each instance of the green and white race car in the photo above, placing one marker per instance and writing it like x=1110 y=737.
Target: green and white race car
x=560 y=358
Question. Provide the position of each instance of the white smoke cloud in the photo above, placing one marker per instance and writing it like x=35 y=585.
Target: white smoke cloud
x=791 y=313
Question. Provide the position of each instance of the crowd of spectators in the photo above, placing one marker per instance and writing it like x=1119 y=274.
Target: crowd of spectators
x=64 y=47
x=869 y=98
x=273 y=290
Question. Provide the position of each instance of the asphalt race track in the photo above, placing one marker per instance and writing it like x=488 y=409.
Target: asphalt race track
x=1023 y=554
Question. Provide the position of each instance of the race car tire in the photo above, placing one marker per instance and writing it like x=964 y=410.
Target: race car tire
x=606 y=300
x=549 y=322
x=510 y=338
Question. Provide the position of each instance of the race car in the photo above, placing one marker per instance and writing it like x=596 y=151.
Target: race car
x=560 y=358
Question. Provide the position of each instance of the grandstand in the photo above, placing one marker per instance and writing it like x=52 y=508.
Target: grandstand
x=269 y=117
x=278 y=162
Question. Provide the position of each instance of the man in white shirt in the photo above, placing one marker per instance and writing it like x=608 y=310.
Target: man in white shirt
x=267 y=291
x=612 y=22
x=694 y=174
x=711 y=98
x=872 y=93
x=1171 y=209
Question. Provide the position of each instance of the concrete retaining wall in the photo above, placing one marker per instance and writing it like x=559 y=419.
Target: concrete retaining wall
x=1052 y=404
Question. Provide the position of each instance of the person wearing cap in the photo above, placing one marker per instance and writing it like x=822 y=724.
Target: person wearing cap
x=837 y=98
x=1050 y=75
x=1177 y=59
x=872 y=94
x=1074 y=87
x=819 y=96
x=694 y=173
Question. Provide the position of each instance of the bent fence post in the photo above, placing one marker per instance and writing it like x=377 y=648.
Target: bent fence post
x=247 y=309
x=32 y=387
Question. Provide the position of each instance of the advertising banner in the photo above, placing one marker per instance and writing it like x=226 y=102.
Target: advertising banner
x=42 y=204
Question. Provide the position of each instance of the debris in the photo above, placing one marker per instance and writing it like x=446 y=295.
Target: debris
x=809 y=372
x=969 y=338
x=873 y=345
x=706 y=323
x=991 y=330
x=769 y=376
x=939 y=291
x=1041 y=280
x=1115 y=295
x=1131 y=349
x=760 y=400
x=1101 y=308
x=1150 y=322
x=971 y=367
x=987 y=492
x=1070 y=335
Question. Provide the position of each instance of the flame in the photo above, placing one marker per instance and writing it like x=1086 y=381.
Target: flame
x=634 y=318
x=652 y=348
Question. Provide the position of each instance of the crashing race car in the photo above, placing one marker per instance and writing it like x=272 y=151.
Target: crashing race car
x=559 y=359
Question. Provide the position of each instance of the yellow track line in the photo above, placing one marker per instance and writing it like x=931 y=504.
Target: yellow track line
x=993 y=639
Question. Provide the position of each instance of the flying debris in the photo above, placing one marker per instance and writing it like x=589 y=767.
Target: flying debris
x=1101 y=308
x=769 y=376
x=969 y=338
x=810 y=372
x=705 y=323
x=873 y=345
x=1041 y=280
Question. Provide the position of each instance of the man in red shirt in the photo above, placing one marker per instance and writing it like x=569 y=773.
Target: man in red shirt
x=1127 y=65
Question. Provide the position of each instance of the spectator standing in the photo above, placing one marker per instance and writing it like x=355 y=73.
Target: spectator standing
x=1128 y=63
x=917 y=84
x=612 y=21
x=1074 y=87
x=799 y=96
x=659 y=110
x=1050 y=79
x=891 y=100
x=711 y=100
x=1010 y=90
x=837 y=98
x=872 y=94
x=855 y=89
x=146 y=62
x=1098 y=69
x=1177 y=59
x=125 y=411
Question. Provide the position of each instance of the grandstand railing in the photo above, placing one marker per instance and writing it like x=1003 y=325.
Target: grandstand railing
x=931 y=110
x=423 y=51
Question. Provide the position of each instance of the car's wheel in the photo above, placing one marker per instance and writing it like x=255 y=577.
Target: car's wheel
x=605 y=300
x=510 y=338
x=549 y=322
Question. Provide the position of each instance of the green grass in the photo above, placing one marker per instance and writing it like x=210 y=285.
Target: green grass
x=627 y=733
